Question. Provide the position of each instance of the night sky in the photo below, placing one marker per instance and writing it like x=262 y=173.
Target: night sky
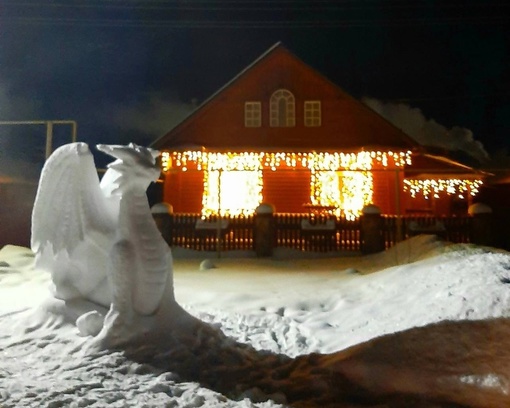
x=128 y=70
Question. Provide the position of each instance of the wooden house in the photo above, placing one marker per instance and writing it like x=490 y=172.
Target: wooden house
x=281 y=133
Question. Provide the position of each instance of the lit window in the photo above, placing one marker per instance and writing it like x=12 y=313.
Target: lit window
x=348 y=191
x=282 y=109
x=233 y=193
x=252 y=114
x=312 y=113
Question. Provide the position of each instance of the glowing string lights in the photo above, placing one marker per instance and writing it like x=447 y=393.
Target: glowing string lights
x=233 y=180
x=434 y=188
x=231 y=192
x=272 y=160
x=339 y=180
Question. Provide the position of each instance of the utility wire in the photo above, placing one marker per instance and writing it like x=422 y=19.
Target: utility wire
x=172 y=23
x=251 y=13
x=445 y=98
x=256 y=6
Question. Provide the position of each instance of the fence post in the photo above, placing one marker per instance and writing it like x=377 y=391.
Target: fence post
x=264 y=230
x=481 y=224
x=372 y=239
x=164 y=217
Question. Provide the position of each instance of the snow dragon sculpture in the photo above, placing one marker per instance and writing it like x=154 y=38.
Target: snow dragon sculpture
x=98 y=239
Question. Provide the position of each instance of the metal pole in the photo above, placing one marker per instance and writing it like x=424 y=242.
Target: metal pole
x=74 y=131
x=49 y=138
x=73 y=124
x=399 y=236
x=218 y=229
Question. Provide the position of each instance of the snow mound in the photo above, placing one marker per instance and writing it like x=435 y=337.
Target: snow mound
x=276 y=332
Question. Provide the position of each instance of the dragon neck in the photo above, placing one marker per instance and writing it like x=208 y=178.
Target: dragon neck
x=135 y=218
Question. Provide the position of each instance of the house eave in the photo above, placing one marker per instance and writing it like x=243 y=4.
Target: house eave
x=285 y=149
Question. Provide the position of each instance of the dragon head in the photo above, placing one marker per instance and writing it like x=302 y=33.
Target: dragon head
x=135 y=166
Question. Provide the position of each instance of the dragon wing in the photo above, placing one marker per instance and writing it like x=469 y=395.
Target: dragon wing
x=70 y=206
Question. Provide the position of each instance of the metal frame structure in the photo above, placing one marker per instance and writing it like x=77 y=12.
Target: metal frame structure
x=49 y=129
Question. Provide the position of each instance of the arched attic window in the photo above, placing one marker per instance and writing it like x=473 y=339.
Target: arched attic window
x=282 y=109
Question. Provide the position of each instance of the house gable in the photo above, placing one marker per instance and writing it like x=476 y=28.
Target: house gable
x=345 y=124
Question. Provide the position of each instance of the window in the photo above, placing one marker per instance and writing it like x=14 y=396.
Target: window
x=282 y=109
x=312 y=113
x=349 y=191
x=252 y=114
x=233 y=192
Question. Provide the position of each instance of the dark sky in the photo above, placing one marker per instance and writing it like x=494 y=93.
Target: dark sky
x=127 y=70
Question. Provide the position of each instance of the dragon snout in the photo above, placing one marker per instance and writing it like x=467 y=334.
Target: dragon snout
x=105 y=148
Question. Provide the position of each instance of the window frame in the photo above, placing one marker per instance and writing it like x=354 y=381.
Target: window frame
x=289 y=116
x=252 y=114
x=312 y=113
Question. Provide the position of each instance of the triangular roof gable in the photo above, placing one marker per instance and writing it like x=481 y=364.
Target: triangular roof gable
x=348 y=124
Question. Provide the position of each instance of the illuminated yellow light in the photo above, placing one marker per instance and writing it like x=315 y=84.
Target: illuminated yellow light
x=345 y=191
x=231 y=192
x=458 y=187
x=250 y=161
x=165 y=161
x=340 y=180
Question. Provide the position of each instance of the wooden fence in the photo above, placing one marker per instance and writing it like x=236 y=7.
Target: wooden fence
x=302 y=231
x=213 y=234
x=317 y=234
x=453 y=229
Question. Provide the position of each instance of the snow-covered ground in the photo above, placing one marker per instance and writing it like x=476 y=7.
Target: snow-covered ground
x=286 y=327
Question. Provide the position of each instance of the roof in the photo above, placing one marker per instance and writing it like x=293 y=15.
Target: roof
x=428 y=166
x=500 y=177
x=359 y=126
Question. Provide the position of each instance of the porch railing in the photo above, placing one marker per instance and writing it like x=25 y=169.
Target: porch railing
x=317 y=234
x=455 y=229
x=302 y=231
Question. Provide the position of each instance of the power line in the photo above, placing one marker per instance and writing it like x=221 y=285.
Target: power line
x=445 y=98
x=203 y=23
x=254 y=5
x=251 y=13
x=380 y=3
